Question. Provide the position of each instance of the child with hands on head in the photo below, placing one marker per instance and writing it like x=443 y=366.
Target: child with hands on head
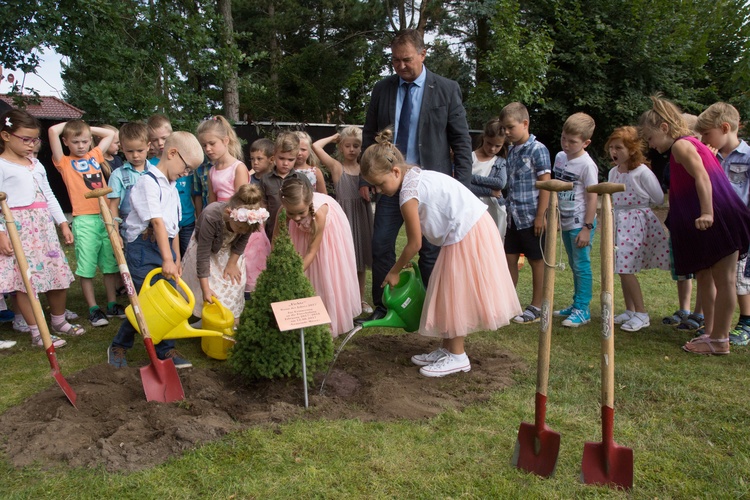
x=223 y=148
x=307 y=163
x=322 y=236
x=639 y=237
x=700 y=195
x=214 y=262
x=81 y=171
x=35 y=211
x=470 y=289
x=152 y=234
x=345 y=177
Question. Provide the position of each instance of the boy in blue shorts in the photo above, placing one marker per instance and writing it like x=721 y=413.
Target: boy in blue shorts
x=528 y=161
x=81 y=171
x=152 y=234
x=577 y=212
x=719 y=126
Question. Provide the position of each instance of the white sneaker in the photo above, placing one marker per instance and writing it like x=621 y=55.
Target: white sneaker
x=429 y=358
x=366 y=308
x=446 y=365
x=19 y=324
x=7 y=344
x=622 y=318
x=637 y=322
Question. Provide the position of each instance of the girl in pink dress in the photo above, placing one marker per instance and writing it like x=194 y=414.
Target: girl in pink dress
x=35 y=211
x=322 y=236
x=709 y=224
x=223 y=149
x=639 y=237
x=470 y=288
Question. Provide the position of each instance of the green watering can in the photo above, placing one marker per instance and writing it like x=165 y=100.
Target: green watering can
x=404 y=303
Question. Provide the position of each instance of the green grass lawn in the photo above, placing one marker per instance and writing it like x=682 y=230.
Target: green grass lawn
x=685 y=417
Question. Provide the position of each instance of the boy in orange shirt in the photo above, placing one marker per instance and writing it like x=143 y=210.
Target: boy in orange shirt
x=81 y=171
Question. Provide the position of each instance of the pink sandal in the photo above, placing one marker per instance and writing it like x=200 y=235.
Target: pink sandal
x=707 y=346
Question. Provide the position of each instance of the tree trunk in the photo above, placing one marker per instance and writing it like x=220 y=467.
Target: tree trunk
x=482 y=48
x=231 y=85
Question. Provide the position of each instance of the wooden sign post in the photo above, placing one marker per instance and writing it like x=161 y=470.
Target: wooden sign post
x=300 y=313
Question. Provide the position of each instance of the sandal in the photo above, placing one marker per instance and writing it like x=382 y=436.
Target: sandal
x=700 y=332
x=692 y=322
x=530 y=315
x=707 y=346
x=57 y=342
x=68 y=329
x=675 y=319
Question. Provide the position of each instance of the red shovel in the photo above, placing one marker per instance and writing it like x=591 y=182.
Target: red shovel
x=41 y=322
x=160 y=380
x=537 y=445
x=607 y=463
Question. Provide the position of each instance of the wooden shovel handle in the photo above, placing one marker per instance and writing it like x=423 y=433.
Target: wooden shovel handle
x=23 y=267
x=608 y=327
x=606 y=188
x=548 y=294
x=120 y=257
x=554 y=185
x=98 y=193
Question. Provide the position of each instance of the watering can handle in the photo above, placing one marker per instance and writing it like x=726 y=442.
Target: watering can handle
x=186 y=289
x=387 y=288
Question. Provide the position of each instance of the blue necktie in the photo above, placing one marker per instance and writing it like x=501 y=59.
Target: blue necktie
x=404 y=120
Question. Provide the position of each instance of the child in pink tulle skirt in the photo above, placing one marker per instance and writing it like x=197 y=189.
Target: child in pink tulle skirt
x=321 y=234
x=470 y=289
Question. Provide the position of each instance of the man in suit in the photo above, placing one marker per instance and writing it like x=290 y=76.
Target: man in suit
x=434 y=124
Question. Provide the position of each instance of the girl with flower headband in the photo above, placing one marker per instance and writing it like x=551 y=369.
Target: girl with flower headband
x=321 y=234
x=214 y=262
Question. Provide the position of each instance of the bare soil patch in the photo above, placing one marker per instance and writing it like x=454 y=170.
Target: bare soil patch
x=116 y=428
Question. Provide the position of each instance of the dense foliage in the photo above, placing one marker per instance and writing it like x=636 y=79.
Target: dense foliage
x=317 y=60
x=262 y=351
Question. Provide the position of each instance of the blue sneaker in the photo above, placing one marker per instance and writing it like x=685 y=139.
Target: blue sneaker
x=577 y=318
x=563 y=312
x=6 y=316
x=177 y=359
x=116 y=357
x=740 y=335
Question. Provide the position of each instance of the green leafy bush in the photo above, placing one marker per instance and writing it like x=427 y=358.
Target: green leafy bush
x=262 y=351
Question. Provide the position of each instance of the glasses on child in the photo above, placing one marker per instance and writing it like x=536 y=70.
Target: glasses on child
x=188 y=168
x=27 y=141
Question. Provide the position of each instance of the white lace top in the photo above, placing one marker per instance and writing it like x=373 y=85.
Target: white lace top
x=447 y=209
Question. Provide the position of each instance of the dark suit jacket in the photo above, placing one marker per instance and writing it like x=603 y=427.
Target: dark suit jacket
x=442 y=124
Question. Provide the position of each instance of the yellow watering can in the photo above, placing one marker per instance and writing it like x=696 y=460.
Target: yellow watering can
x=166 y=311
x=218 y=318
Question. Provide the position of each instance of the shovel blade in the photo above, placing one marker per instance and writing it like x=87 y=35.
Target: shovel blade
x=536 y=451
x=161 y=382
x=69 y=392
x=607 y=464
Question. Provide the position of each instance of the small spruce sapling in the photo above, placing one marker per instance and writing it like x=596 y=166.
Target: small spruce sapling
x=261 y=350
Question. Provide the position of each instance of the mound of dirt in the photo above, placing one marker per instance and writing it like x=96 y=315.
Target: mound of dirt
x=115 y=427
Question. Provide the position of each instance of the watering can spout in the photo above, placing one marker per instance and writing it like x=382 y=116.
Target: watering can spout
x=391 y=320
x=185 y=331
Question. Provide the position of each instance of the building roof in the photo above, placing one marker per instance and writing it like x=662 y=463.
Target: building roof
x=49 y=107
